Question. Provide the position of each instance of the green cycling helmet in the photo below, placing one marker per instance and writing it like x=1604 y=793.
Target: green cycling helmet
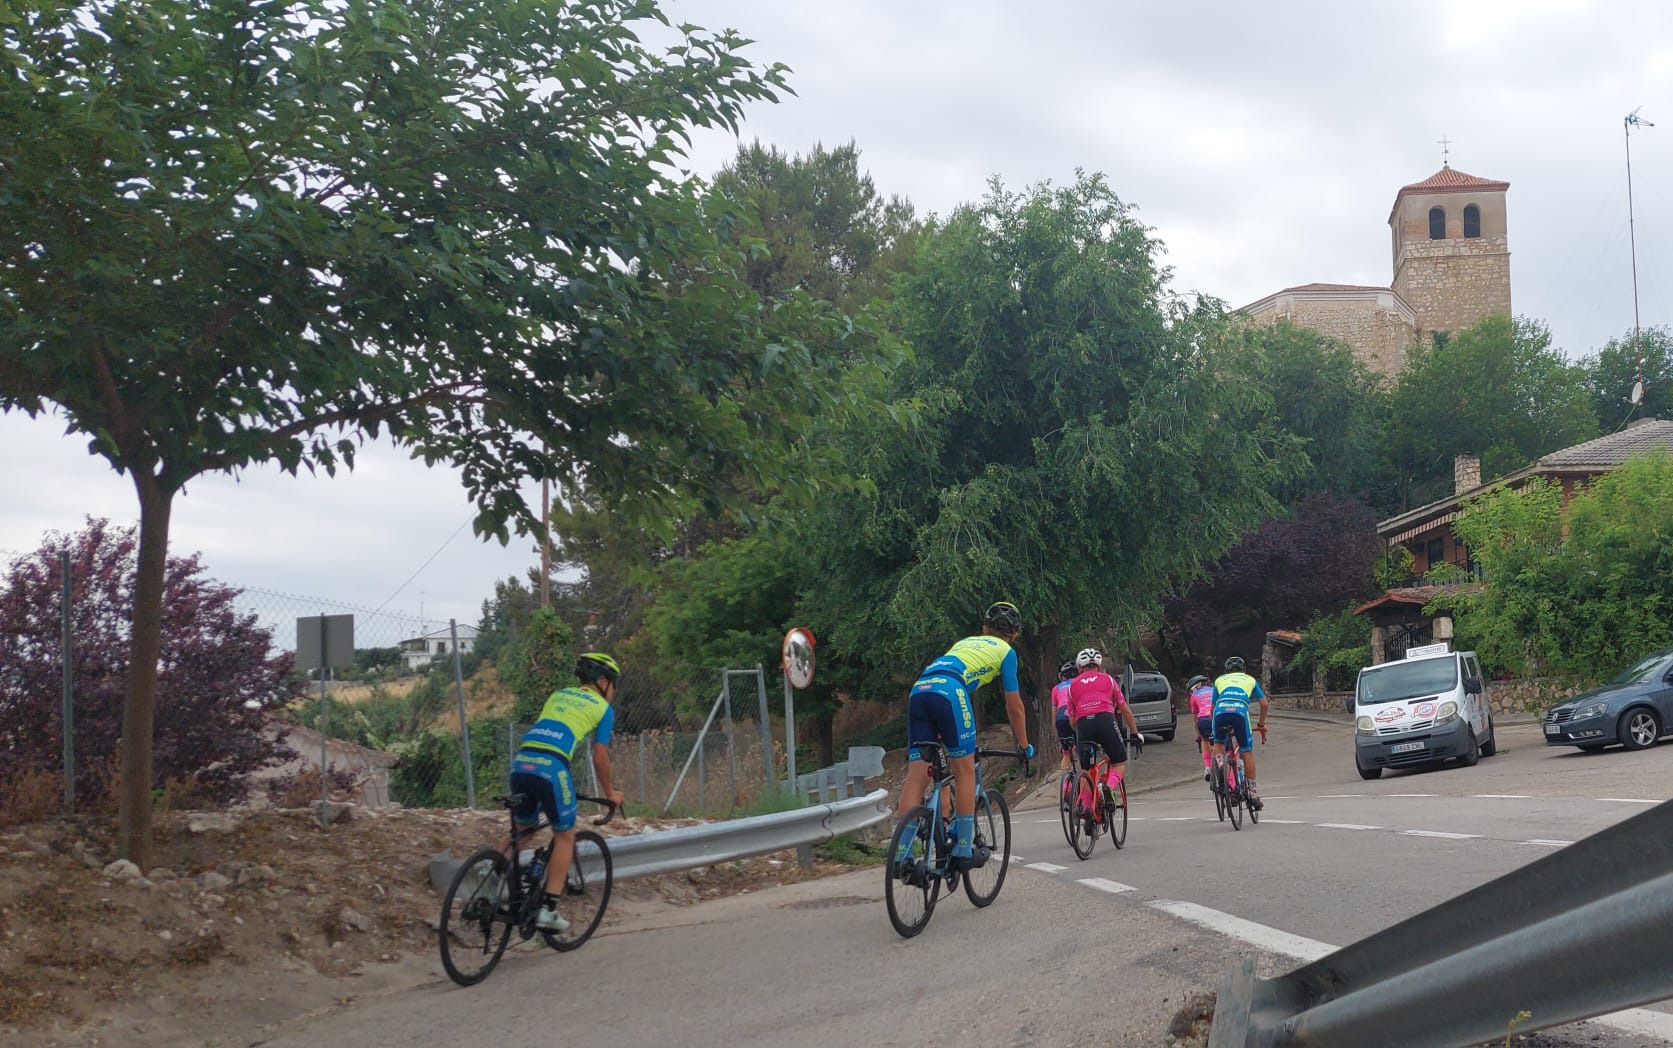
x=593 y=665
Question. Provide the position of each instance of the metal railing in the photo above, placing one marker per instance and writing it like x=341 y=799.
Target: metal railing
x=665 y=851
x=1580 y=933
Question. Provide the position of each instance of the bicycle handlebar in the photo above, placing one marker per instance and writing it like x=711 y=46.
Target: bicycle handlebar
x=1016 y=755
x=610 y=808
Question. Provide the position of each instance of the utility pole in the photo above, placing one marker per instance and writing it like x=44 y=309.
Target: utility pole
x=1634 y=120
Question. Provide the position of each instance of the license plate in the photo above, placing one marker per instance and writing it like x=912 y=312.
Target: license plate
x=1552 y=729
x=1406 y=747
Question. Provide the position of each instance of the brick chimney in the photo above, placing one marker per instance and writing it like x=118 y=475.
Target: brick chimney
x=1466 y=473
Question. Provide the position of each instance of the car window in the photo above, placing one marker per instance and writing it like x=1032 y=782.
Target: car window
x=1645 y=669
x=1148 y=690
x=1471 y=668
x=1394 y=681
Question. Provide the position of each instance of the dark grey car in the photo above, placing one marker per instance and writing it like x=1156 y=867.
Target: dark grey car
x=1635 y=709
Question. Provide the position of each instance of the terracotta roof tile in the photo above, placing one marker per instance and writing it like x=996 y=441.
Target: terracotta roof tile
x=1335 y=287
x=1449 y=178
x=1609 y=451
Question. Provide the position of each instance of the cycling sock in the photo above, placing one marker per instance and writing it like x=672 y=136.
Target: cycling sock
x=964 y=834
x=1114 y=778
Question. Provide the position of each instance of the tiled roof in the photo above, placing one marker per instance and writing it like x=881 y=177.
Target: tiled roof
x=1418 y=595
x=1642 y=435
x=1448 y=178
x=1334 y=287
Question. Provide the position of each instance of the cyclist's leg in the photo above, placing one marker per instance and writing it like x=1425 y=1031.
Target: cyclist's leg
x=1205 y=736
x=1109 y=738
x=1065 y=738
x=1246 y=742
x=922 y=725
x=960 y=738
x=526 y=815
x=561 y=797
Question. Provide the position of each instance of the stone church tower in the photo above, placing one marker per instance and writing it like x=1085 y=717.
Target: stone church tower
x=1451 y=251
x=1451 y=270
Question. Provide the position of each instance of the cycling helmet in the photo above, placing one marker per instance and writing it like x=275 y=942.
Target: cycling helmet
x=1234 y=664
x=1089 y=657
x=1004 y=616
x=593 y=665
x=1194 y=681
x=1065 y=671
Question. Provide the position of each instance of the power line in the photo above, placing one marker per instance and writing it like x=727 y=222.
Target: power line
x=422 y=566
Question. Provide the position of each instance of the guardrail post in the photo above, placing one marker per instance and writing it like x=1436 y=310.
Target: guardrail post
x=1231 y=1007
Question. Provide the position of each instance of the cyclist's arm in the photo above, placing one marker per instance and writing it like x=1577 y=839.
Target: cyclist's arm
x=1018 y=716
x=1132 y=725
x=601 y=765
x=1260 y=694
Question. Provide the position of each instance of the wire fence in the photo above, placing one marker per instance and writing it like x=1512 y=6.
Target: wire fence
x=409 y=711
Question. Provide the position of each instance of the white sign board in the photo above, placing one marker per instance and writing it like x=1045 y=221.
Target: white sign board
x=798 y=657
x=1426 y=649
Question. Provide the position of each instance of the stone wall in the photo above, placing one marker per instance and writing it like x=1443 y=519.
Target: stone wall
x=1379 y=337
x=1453 y=284
x=1526 y=695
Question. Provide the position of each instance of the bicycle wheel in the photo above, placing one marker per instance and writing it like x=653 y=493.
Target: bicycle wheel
x=1234 y=805
x=911 y=886
x=1066 y=804
x=586 y=892
x=1082 y=834
x=1254 y=812
x=993 y=830
x=1217 y=786
x=1115 y=815
x=1248 y=802
x=471 y=940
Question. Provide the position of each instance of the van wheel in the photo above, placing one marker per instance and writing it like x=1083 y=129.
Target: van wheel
x=1165 y=736
x=1472 y=750
x=1369 y=773
x=1491 y=746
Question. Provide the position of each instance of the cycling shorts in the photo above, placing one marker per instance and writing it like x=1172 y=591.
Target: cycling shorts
x=1100 y=728
x=1065 y=729
x=1229 y=721
x=1205 y=728
x=938 y=710
x=547 y=789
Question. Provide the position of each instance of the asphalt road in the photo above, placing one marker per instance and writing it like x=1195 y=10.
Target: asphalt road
x=1073 y=953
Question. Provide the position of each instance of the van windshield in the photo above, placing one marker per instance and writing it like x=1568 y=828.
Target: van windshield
x=1396 y=681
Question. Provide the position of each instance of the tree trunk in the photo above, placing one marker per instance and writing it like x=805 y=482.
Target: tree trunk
x=139 y=710
x=821 y=724
x=1042 y=724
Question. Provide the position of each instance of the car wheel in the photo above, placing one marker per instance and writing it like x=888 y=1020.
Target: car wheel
x=1369 y=773
x=1491 y=746
x=1165 y=736
x=1472 y=750
x=1640 y=728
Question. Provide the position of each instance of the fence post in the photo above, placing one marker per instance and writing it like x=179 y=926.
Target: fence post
x=642 y=786
x=702 y=779
x=731 y=753
x=766 y=729
x=693 y=755
x=324 y=729
x=790 y=727
x=464 y=725
x=69 y=694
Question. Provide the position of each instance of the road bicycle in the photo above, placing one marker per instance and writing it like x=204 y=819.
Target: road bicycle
x=921 y=850
x=1090 y=809
x=493 y=895
x=1230 y=788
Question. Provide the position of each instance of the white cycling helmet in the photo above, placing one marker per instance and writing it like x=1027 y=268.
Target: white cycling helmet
x=1089 y=657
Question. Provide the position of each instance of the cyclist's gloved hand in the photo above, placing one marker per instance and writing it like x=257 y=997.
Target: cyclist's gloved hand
x=1028 y=752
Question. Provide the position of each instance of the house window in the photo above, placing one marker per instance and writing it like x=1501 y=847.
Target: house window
x=1472 y=221
x=1434 y=554
x=1437 y=223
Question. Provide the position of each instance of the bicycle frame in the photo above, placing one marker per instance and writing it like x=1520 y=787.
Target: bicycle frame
x=518 y=907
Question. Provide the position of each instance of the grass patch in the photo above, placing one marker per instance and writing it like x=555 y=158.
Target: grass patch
x=850 y=851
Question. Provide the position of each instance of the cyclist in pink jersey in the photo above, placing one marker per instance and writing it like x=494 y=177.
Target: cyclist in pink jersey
x=1060 y=700
x=1202 y=709
x=1094 y=698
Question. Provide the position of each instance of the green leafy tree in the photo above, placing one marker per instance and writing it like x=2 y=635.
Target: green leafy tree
x=234 y=233
x=1612 y=370
x=1080 y=443
x=1576 y=592
x=1497 y=390
x=538 y=662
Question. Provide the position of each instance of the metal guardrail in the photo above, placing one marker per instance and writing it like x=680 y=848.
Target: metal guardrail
x=1580 y=933
x=665 y=851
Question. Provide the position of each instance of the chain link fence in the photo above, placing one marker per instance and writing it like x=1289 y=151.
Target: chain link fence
x=415 y=713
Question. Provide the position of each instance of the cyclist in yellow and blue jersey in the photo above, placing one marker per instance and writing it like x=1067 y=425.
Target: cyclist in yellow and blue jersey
x=1233 y=691
x=540 y=768
x=938 y=709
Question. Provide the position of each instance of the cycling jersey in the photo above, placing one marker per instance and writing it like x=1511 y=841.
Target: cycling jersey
x=1060 y=695
x=1095 y=692
x=977 y=660
x=1202 y=700
x=568 y=716
x=1234 y=691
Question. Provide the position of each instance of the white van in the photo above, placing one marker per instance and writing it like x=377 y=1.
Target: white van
x=1427 y=707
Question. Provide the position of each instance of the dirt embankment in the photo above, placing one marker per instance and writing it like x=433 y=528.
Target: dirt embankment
x=250 y=919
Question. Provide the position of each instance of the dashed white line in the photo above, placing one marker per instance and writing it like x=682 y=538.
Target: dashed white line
x=1260 y=935
x=1346 y=826
x=1411 y=795
x=1338 y=796
x=1500 y=796
x=1103 y=885
x=1628 y=800
x=1047 y=867
x=1175 y=818
x=1549 y=844
x=1439 y=833
x=1047 y=820
x=1279 y=796
x=1283 y=822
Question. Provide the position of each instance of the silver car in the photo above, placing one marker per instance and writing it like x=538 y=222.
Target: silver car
x=1151 y=700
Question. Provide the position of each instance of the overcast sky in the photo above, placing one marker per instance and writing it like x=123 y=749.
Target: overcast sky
x=1264 y=144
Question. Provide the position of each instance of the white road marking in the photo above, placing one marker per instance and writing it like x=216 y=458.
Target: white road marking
x=1347 y=826
x=1338 y=796
x=1628 y=800
x=1047 y=867
x=1059 y=819
x=1549 y=844
x=1175 y=818
x=1633 y=1020
x=1411 y=795
x=1439 y=833
x=1103 y=885
x=1259 y=935
x=1278 y=796
x=1283 y=822
x=1500 y=796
